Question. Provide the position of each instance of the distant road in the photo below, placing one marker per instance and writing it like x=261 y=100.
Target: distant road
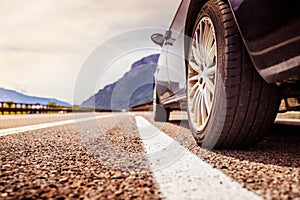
x=127 y=155
x=10 y=121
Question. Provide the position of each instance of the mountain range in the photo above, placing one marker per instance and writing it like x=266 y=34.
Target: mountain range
x=134 y=88
x=17 y=97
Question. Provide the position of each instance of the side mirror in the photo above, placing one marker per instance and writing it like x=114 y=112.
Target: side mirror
x=158 y=39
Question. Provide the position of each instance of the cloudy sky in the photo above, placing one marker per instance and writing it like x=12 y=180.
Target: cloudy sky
x=44 y=44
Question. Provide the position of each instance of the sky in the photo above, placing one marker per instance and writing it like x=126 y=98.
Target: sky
x=45 y=44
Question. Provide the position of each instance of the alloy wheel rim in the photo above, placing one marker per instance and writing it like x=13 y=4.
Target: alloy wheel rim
x=202 y=73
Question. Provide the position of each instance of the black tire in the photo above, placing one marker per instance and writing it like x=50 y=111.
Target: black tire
x=244 y=106
x=160 y=114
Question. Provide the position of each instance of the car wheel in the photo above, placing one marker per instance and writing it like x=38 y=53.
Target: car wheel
x=160 y=114
x=229 y=104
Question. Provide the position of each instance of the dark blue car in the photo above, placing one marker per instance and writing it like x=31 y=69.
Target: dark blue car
x=229 y=63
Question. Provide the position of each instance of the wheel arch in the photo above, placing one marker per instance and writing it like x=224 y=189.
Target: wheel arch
x=194 y=9
x=263 y=35
x=192 y=14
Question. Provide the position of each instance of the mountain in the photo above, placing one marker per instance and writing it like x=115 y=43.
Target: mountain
x=11 y=95
x=134 y=88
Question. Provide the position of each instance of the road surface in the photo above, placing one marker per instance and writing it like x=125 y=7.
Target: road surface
x=128 y=156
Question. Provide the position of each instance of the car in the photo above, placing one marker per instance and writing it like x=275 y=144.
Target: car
x=229 y=64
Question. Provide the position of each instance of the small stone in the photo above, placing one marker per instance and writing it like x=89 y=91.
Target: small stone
x=118 y=192
x=118 y=175
x=250 y=180
x=4 y=194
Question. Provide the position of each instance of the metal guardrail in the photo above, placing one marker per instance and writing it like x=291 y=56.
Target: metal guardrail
x=24 y=108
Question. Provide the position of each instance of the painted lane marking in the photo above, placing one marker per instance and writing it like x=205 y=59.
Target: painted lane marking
x=21 y=129
x=185 y=176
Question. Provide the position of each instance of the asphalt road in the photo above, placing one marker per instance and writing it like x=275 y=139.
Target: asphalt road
x=128 y=156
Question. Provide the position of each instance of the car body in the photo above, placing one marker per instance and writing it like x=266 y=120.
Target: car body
x=269 y=31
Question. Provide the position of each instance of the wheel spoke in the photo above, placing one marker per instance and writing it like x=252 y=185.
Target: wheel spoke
x=211 y=54
x=198 y=114
x=194 y=78
x=204 y=31
x=197 y=56
x=201 y=33
x=194 y=98
x=206 y=100
x=197 y=42
x=209 y=39
x=212 y=48
x=203 y=114
x=210 y=86
x=201 y=40
x=211 y=71
x=193 y=88
x=194 y=66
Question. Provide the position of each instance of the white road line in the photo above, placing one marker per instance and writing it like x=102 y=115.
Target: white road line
x=184 y=175
x=21 y=129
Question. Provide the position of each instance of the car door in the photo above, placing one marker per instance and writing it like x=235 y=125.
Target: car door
x=175 y=56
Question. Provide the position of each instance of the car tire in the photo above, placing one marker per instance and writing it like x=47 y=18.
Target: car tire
x=229 y=105
x=160 y=113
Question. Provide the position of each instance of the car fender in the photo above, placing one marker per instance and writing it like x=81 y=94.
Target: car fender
x=270 y=32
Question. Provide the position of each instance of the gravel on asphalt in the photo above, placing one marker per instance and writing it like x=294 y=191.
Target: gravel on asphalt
x=60 y=163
